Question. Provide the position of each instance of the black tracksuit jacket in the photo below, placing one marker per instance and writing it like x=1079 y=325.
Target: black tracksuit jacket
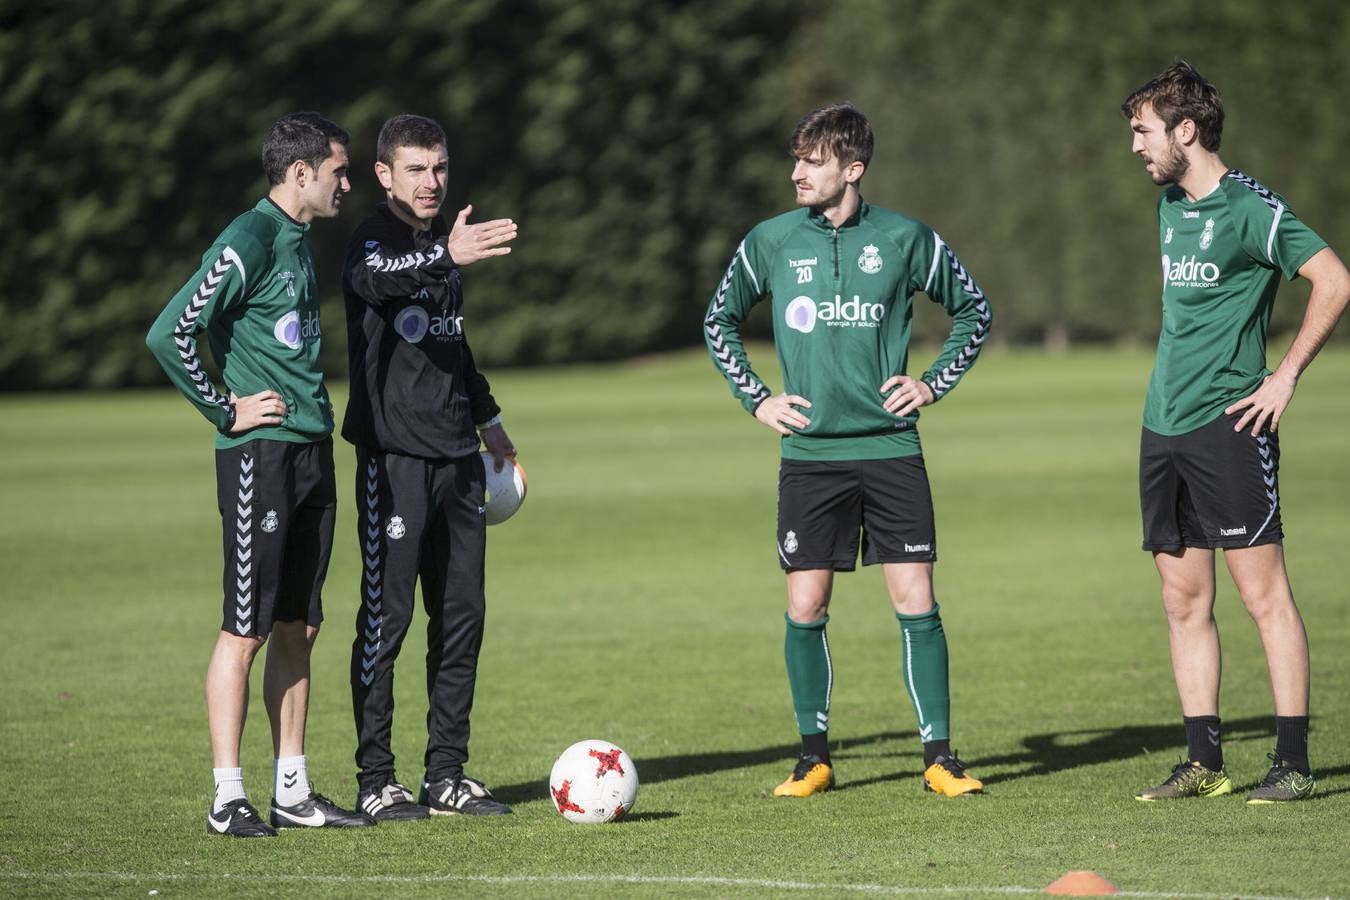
x=415 y=389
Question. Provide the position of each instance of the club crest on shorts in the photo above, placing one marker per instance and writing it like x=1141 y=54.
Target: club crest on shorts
x=790 y=542
x=269 y=521
x=870 y=261
x=395 y=528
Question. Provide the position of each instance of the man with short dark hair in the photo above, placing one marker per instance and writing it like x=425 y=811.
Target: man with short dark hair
x=417 y=410
x=1209 y=453
x=255 y=296
x=841 y=275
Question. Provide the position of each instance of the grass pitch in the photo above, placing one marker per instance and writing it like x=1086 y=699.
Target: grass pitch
x=637 y=598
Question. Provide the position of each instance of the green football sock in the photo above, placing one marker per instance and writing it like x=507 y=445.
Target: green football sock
x=923 y=648
x=807 y=652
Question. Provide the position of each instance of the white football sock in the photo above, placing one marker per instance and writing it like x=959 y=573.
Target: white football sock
x=290 y=780
x=229 y=786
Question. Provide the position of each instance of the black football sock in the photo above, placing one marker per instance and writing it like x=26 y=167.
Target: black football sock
x=1291 y=742
x=817 y=745
x=1204 y=743
x=933 y=749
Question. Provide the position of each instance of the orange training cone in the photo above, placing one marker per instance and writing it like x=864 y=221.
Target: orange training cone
x=1081 y=884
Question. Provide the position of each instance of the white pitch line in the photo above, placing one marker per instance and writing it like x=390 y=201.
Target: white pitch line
x=693 y=880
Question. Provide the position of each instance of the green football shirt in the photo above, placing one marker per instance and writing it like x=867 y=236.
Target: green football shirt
x=255 y=297
x=1222 y=256
x=842 y=313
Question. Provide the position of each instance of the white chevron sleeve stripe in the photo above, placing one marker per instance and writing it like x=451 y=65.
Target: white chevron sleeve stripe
x=722 y=353
x=186 y=327
x=945 y=380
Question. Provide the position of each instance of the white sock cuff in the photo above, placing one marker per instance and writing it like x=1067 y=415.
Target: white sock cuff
x=229 y=786
x=291 y=780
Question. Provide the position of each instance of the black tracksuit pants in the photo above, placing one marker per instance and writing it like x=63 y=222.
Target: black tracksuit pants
x=417 y=518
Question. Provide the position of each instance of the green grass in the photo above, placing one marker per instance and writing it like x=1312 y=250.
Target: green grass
x=637 y=597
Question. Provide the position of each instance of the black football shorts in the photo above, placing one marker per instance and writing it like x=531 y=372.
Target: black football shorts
x=1212 y=487
x=824 y=507
x=277 y=504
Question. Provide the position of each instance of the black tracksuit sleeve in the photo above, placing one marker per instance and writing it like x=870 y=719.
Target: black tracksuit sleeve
x=377 y=276
x=482 y=406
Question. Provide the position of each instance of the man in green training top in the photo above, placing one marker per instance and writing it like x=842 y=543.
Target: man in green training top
x=841 y=275
x=1209 y=454
x=255 y=298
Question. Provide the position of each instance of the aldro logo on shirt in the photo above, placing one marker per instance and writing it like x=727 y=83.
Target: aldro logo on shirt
x=295 y=332
x=414 y=323
x=803 y=313
x=1189 y=271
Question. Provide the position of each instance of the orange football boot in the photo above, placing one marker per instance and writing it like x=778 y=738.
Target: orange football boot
x=947 y=776
x=812 y=775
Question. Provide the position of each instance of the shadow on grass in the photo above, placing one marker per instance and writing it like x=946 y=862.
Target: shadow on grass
x=1320 y=774
x=648 y=816
x=1042 y=754
x=668 y=768
x=1045 y=754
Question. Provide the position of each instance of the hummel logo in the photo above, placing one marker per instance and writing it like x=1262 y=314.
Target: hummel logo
x=1213 y=735
x=289 y=779
x=1233 y=532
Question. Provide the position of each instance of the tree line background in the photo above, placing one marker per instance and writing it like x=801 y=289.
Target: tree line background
x=635 y=143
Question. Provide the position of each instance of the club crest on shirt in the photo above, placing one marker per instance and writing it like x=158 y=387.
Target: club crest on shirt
x=1207 y=236
x=269 y=521
x=870 y=260
x=395 y=529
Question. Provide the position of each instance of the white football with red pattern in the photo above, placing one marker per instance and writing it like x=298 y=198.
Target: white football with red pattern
x=593 y=782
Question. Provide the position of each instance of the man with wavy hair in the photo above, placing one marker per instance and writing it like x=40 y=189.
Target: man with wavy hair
x=1209 y=453
x=841 y=275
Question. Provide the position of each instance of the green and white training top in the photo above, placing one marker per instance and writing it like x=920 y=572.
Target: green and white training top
x=255 y=296
x=1222 y=256
x=842 y=315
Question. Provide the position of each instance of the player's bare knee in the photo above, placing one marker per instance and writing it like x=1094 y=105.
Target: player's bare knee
x=910 y=586
x=913 y=603
x=804 y=613
x=1187 y=603
x=296 y=639
x=1271 y=606
x=242 y=648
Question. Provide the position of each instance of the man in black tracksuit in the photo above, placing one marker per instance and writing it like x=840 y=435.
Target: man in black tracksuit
x=417 y=410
